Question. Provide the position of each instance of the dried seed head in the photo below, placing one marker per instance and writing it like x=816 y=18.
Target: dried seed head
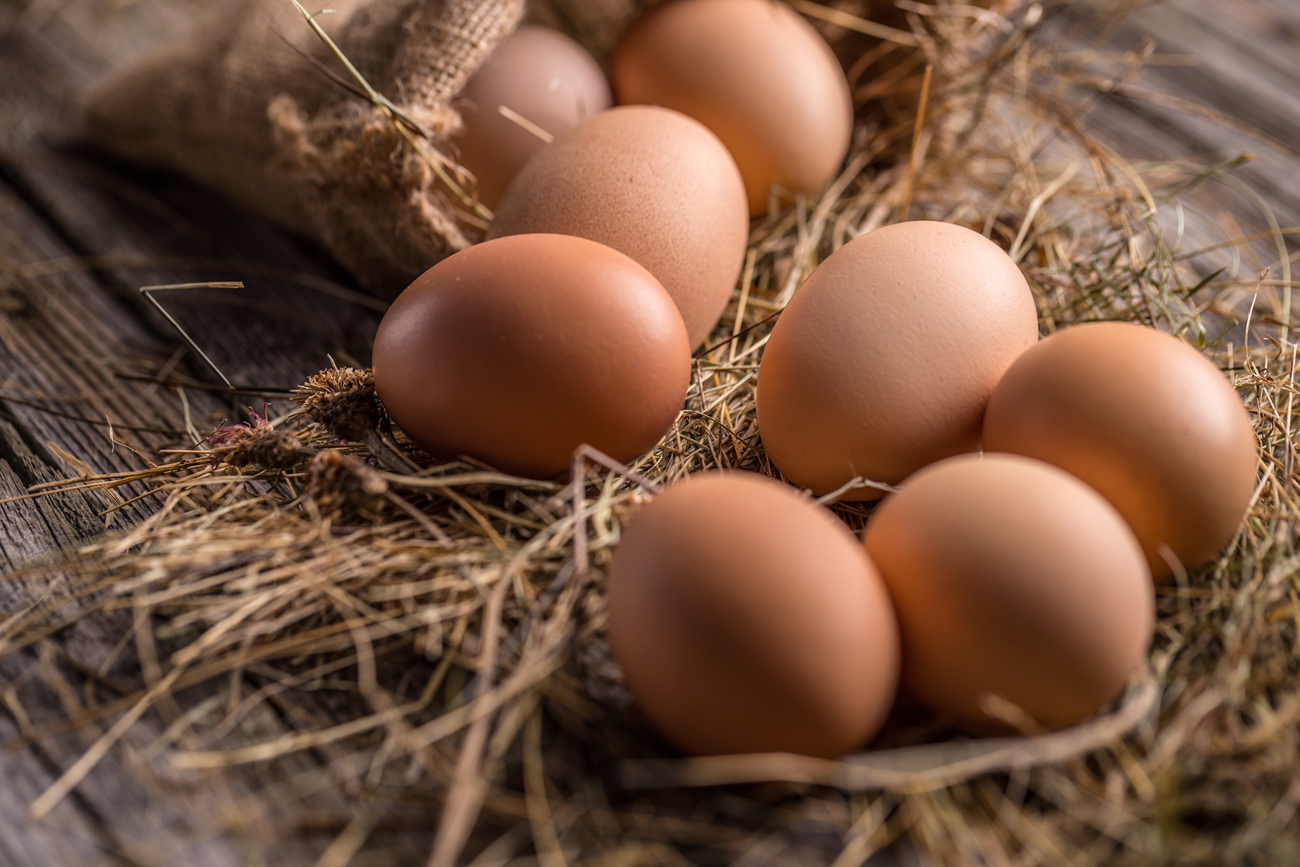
x=258 y=444
x=342 y=400
x=344 y=487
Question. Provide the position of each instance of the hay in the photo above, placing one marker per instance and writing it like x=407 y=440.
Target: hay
x=461 y=624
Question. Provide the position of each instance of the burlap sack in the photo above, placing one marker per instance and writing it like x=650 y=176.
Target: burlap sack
x=236 y=107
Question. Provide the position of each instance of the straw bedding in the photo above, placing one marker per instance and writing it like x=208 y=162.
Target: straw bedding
x=452 y=617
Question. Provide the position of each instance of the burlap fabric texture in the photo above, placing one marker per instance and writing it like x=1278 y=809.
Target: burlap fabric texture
x=235 y=107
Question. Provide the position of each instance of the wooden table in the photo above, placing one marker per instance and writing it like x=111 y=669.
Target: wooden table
x=78 y=347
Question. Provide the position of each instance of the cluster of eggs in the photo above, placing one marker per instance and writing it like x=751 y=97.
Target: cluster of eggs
x=746 y=617
x=1011 y=588
x=615 y=247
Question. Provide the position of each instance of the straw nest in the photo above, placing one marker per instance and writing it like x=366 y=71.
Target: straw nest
x=447 y=620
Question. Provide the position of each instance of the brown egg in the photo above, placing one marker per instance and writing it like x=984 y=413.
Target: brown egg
x=1014 y=578
x=653 y=184
x=755 y=73
x=748 y=619
x=886 y=356
x=540 y=74
x=516 y=351
x=1146 y=420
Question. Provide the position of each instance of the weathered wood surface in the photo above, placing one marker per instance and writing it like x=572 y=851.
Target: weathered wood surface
x=1243 y=60
x=114 y=810
x=1240 y=62
x=77 y=343
x=78 y=234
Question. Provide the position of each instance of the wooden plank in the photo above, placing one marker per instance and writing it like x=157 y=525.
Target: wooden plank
x=282 y=328
x=130 y=809
x=147 y=229
x=62 y=338
x=63 y=344
x=74 y=832
x=1247 y=67
x=71 y=834
x=67 y=335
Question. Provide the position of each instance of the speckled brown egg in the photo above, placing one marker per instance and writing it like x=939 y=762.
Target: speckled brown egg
x=542 y=75
x=886 y=356
x=515 y=351
x=748 y=619
x=651 y=183
x=1145 y=419
x=1012 y=578
x=755 y=73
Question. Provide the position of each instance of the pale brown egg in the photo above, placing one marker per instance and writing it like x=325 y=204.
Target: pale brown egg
x=651 y=183
x=886 y=356
x=518 y=350
x=1012 y=578
x=1145 y=419
x=748 y=619
x=755 y=73
x=539 y=74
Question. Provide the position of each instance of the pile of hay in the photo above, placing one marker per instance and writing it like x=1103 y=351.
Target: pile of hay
x=446 y=621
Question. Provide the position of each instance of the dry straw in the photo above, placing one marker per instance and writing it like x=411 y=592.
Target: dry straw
x=455 y=614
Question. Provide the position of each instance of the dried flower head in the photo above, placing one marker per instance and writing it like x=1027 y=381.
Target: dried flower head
x=342 y=400
x=257 y=443
x=345 y=488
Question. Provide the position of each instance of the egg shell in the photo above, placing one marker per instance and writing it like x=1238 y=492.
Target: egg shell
x=1146 y=420
x=1014 y=578
x=886 y=356
x=754 y=72
x=651 y=183
x=748 y=619
x=516 y=351
x=542 y=75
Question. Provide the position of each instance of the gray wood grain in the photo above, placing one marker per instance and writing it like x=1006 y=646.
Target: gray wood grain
x=72 y=834
x=147 y=229
x=131 y=809
x=67 y=335
x=1246 y=66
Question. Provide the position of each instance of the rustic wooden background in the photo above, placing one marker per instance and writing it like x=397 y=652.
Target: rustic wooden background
x=78 y=348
